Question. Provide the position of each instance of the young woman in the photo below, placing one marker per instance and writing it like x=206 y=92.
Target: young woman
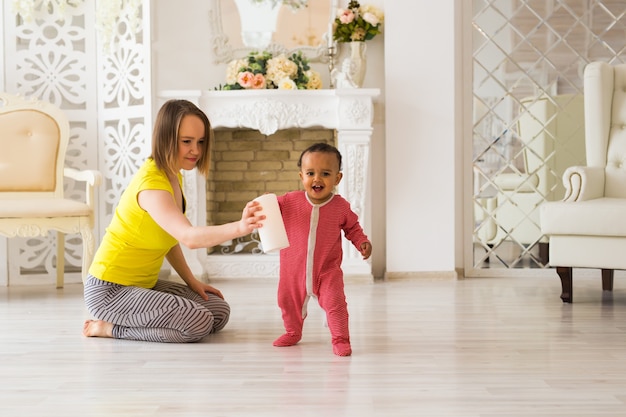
x=122 y=290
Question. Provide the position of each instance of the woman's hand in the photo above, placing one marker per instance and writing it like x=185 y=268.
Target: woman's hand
x=251 y=218
x=202 y=289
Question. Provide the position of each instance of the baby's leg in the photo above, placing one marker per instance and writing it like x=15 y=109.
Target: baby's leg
x=291 y=301
x=333 y=300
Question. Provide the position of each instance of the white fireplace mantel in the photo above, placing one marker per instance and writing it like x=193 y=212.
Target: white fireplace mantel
x=349 y=111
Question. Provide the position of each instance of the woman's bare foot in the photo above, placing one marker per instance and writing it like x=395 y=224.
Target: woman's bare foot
x=97 y=328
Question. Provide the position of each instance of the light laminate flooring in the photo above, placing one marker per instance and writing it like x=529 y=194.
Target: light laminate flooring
x=471 y=347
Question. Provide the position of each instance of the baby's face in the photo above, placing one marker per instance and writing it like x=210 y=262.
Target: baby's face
x=320 y=174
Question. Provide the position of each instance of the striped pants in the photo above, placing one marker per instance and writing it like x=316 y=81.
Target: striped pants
x=168 y=312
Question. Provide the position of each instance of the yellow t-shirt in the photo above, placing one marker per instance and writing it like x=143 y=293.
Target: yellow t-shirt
x=134 y=246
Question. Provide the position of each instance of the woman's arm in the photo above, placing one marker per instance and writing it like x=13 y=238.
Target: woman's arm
x=177 y=260
x=162 y=208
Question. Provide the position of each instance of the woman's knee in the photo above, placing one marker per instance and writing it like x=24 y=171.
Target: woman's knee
x=200 y=328
x=221 y=316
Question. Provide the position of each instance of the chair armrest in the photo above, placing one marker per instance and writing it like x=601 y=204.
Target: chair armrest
x=92 y=179
x=90 y=176
x=583 y=183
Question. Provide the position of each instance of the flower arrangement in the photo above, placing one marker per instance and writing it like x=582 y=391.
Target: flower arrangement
x=261 y=70
x=357 y=23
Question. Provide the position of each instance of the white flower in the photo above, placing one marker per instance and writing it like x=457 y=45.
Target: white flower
x=378 y=14
x=279 y=68
x=233 y=69
x=315 y=80
x=287 y=84
x=371 y=19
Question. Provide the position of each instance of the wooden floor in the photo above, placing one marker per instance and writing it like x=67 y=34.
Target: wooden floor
x=473 y=347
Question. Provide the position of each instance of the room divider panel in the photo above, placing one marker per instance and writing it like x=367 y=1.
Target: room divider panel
x=92 y=60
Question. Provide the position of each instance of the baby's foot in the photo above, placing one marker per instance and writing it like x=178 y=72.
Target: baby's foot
x=288 y=339
x=342 y=349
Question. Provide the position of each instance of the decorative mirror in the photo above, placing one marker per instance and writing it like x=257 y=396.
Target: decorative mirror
x=235 y=29
x=528 y=115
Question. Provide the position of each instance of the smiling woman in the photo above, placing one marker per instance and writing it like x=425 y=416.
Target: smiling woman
x=123 y=290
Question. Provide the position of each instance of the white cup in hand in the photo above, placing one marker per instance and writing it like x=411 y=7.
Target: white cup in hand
x=273 y=234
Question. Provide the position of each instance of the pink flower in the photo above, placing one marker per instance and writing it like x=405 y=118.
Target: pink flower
x=258 y=82
x=245 y=79
x=347 y=16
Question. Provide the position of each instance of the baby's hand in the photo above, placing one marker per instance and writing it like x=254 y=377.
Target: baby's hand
x=366 y=249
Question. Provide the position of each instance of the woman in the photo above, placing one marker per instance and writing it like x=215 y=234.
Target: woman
x=122 y=289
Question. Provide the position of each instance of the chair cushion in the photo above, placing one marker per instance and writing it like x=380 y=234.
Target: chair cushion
x=599 y=217
x=30 y=141
x=42 y=208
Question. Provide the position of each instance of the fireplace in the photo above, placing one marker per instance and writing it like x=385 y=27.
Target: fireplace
x=246 y=164
x=347 y=112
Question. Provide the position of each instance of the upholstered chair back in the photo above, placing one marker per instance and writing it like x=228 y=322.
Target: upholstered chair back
x=34 y=137
x=28 y=139
x=605 y=112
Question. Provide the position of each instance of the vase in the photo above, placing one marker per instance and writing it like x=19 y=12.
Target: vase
x=357 y=62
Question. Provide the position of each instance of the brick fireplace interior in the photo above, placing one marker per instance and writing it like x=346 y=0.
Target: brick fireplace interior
x=245 y=164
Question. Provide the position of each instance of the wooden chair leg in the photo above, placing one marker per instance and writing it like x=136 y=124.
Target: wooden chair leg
x=88 y=251
x=565 y=273
x=60 y=259
x=544 y=253
x=607 y=280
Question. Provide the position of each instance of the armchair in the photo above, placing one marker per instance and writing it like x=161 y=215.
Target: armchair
x=587 y=229
x=34 y=136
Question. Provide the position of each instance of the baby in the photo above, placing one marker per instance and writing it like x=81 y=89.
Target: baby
x=311 y=265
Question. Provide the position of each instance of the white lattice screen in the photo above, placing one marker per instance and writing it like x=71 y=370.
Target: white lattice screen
x=59 y=55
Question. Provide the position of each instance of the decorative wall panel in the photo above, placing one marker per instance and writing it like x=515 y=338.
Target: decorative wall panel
x=89 y=58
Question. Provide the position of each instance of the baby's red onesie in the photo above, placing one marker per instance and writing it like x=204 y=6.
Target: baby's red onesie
x=311 y=265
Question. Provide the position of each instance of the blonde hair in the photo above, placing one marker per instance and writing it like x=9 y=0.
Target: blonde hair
x=165 y=135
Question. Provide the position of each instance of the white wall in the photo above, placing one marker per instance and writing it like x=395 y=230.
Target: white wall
x=415 y=195
x=422 y=195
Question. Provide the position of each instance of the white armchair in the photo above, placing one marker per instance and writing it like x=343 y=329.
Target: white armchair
x=587 y=228
x=34 y=136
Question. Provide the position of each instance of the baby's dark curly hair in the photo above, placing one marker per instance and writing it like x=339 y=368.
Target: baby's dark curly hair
x=321 y=147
